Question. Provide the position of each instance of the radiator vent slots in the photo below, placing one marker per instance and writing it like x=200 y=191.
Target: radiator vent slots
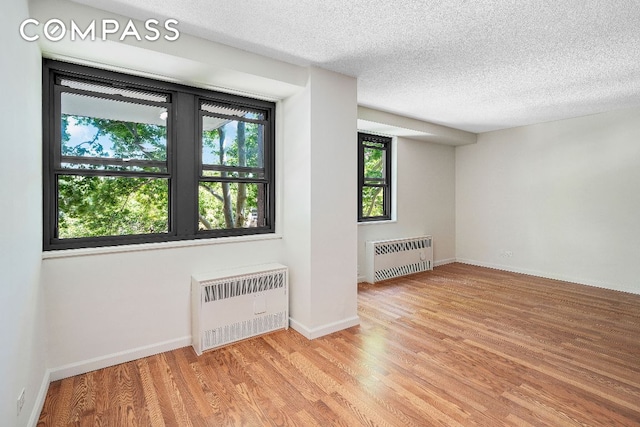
x=389 y=247
x=242 y=286
x=387 y=259
x=240 y=330
x=233 y=305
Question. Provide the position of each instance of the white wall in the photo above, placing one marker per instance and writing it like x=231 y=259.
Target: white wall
x=562 y=197
x=108 y=308
x=22 y=329
x=425 y=200
x=296 y=210
x=334 y=159
x=320 y=181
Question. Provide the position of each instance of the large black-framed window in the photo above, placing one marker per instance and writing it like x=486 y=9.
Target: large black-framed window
x=374 y=177
x=128 y=160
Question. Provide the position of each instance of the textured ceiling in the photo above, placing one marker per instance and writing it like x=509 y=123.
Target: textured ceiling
x=473 y=65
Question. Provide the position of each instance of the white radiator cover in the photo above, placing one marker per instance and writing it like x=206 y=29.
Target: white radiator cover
x=387 y=259
x=233 y=305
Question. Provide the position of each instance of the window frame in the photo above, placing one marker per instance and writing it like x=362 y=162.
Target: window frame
x=182 y=157
x=386 y=183
x=267 y=156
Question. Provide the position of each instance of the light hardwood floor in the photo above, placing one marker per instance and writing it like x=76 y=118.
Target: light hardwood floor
x=458 y=346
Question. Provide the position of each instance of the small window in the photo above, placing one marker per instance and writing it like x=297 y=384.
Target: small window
x=134 y=160
x=374 y=177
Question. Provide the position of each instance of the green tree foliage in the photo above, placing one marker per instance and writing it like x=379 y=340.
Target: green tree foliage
x=90 y=206
x=128 y=140
x=234 y=204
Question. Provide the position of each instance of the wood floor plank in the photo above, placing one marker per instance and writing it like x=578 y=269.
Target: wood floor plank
x=151 y=401
x=169 y=398
x=456 y=346
x=50 y=408
x=65 y=402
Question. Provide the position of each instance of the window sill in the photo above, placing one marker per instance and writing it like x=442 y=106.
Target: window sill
x=70 y=253
x=386 y=221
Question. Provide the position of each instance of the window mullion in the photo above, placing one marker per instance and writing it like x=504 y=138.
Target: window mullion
x=184 y=158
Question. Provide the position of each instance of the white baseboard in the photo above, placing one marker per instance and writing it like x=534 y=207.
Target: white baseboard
x=580 y=281
x=362 y=279
x=513 y=269
x=89 y=365
x=312 y=333
x=39 y=403
x=444 y=262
